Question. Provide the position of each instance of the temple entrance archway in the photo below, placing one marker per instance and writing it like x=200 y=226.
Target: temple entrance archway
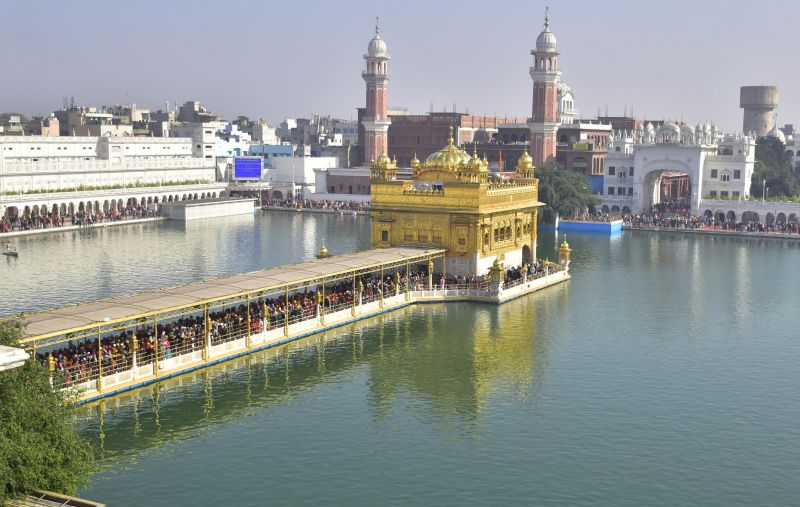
x=527 y=258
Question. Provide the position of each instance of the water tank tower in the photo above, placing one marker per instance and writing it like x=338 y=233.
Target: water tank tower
x=759 y=103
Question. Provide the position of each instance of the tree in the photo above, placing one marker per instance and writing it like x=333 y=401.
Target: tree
x=774 y=166
x=23 y=120
x=39 y=445
x=242 y=122
x=564 y=192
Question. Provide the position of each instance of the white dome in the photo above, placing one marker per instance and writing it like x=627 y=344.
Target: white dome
x=686 y=129
x=546 y=41
x=778 y=134
x=377 y=47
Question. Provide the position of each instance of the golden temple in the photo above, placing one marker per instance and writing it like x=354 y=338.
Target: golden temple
x=452 y=202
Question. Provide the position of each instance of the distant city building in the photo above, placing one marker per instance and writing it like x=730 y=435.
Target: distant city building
x=270 y=151
x=194 y=112
x=203 y=135
x=11 y=125
x=296 y=176
x=90 y=121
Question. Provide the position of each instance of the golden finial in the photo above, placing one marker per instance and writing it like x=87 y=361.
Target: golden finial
x=323 y=252
x=450 y=138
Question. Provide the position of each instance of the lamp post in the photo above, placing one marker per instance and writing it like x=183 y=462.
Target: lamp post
x=763 y=189
x=766 y=194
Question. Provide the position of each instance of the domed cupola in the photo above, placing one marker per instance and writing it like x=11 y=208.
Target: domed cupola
x=383 y=169
x=546 y=41
x=525 y=168
x=377 y=46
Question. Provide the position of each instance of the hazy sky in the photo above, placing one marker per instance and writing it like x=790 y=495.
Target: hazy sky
x=673 y=59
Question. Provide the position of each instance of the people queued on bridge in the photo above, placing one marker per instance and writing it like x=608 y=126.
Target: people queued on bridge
x=53 y=219
x=78 y=362
x=322 y=204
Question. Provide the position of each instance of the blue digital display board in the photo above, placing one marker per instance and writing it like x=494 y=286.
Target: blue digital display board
x=247 y=168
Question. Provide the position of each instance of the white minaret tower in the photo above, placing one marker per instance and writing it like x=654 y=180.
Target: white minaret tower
x=546 y=77
x=376 y=121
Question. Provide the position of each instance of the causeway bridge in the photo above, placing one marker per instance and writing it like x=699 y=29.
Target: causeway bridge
x=106 y=347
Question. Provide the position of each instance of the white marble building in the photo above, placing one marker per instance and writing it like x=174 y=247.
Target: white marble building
x=719 y=166
x=36 y=170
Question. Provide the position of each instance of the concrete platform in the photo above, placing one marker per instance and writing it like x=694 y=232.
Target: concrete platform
x=206 y=208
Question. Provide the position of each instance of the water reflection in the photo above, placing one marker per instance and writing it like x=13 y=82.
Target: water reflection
x=99 y=263
x=446 y=375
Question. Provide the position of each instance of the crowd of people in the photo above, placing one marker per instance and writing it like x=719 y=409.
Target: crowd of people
x=597 y=216
x=672 y=205
x=77 y=363
x=30 y=221
x=323 y=204
x=656 y=219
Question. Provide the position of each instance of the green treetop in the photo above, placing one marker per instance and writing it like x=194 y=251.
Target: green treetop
x=564 y=192
x=39 y=445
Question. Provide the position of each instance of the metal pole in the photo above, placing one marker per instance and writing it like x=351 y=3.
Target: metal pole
x=206 y=332
x=247 y=341
x=322 y=320
x=99 y=362
x=157 y=344
x=286 y=313
x=444 y=270
x=354 y=293
x=408 y=275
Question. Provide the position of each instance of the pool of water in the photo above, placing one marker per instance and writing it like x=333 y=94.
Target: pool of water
x=663 y=373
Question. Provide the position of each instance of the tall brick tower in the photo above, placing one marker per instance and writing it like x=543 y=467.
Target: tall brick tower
x=376 y=120
x=546 y=75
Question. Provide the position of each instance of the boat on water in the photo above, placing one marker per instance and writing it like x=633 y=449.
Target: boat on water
x=10 y=250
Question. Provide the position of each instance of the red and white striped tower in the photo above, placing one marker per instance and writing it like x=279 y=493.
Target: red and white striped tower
x=376 y=120
x=546 y=75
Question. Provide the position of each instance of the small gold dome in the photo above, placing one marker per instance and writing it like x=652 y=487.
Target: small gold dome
x=564 y=244
x=525 y=159
x=383 y=161
x=415 y=160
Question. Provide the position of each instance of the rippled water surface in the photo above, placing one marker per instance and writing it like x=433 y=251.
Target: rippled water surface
x=663 y=373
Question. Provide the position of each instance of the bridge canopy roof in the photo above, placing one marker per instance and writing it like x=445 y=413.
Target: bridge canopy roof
x=103 y=312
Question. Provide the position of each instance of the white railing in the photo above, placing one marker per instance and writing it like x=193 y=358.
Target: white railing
x=28 y=167
x=13 y=199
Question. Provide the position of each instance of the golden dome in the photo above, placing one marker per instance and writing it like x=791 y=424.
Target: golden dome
x=525 y=160
x=450 y=157
x=565 y=245
x=415 y=160
x=525 y=165
x=475 y=163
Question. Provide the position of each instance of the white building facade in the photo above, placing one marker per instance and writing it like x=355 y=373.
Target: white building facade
x=719 y=166
x=30 y=164
x=297 y=176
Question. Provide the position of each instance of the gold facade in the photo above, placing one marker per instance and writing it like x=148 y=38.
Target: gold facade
x=451 y=203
